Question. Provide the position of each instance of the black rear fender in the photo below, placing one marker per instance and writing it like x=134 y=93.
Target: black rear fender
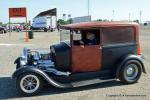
x=127 y=58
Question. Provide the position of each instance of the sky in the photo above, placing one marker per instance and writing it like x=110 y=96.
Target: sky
x=99 y=9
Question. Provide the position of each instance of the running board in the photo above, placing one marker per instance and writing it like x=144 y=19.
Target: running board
x=90 y=82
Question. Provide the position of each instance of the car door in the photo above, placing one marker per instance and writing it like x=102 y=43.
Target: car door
x=86 y=58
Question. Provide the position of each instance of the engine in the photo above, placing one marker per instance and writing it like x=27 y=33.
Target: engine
x=41 y=60
x=35 y=57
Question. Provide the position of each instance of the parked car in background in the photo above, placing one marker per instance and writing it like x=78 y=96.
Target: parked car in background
x=3 y=30
x=147 y=23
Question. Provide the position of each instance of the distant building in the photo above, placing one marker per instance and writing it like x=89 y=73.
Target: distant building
x=82 y=19
x=69 y=16
x=64 y=17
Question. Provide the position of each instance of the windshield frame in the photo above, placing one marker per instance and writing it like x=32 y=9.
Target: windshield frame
x=63 y=39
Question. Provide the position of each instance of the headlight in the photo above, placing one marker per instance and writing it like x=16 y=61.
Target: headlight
x=23 y=62
x=52 y=50
x=24 y=57
x=35 y=63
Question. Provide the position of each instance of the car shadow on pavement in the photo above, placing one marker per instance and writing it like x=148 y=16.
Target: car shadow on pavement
x=8 y=90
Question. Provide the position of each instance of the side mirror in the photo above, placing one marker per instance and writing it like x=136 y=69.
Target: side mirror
x=81 y=43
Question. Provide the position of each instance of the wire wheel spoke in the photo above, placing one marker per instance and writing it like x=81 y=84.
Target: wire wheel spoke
x=33 y=86
x=28 y=88
x=26 y=80
x=34 y=83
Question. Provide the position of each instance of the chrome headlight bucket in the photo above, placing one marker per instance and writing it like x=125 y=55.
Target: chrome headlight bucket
x=23 y=62
x=35 y=62
x=24 y=57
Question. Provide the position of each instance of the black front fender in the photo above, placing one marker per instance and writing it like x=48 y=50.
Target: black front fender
x=31 y=69
x=125 y=59
x=17 y=60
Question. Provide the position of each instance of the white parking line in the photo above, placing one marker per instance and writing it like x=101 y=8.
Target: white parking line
x=8 y=45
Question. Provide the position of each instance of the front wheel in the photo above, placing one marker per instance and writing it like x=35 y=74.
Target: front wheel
x=29 y=84
x=130 y=72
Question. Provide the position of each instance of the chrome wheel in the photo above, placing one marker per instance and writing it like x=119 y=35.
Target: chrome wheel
x=29 y=83
x=131 y=72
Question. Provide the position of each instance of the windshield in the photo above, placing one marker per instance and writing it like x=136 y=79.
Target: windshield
x=64 y=35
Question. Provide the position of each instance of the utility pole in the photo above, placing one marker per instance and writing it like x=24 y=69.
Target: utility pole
x=88 y=7
x=113 y=15
x=140 y=17
x=129 y=17
x=64 y=17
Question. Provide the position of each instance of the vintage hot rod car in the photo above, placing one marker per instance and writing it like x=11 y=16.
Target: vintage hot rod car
x=114 y=53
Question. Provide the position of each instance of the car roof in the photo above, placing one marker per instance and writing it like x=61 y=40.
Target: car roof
x=87 y=25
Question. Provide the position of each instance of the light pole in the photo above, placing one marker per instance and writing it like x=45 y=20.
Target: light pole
x=113 y=15
x=129 y=17
x=88 y=7
x=140 y=17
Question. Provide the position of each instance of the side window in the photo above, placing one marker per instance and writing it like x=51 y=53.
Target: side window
x=86 y=37
x=118 y=35
x=77 y=36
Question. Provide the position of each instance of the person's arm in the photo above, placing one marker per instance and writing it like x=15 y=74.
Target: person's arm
x=96 y=41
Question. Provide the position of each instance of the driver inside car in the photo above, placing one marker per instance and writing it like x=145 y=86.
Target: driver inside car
x=90 y=39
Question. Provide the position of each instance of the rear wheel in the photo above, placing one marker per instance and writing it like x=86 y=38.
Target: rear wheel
x=29 y=84
x=45 y=29
x=130 y=72
x=5 y=31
